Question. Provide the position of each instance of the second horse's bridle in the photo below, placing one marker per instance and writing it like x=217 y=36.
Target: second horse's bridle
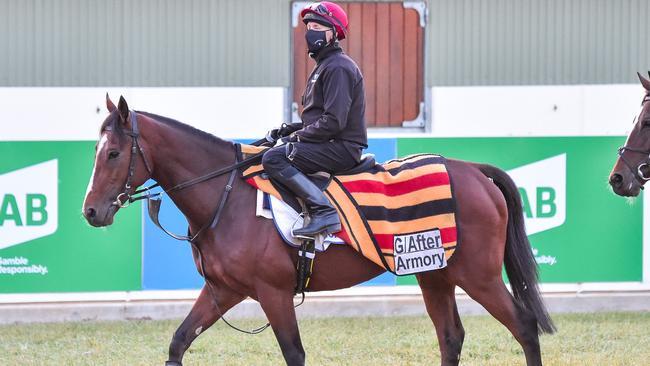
x=638 y=171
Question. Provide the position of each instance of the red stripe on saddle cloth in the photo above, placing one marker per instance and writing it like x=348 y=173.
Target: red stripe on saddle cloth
x=399 y=188
x=449 y=234
x=252 y=182
x=385 y=241
x=343 y=235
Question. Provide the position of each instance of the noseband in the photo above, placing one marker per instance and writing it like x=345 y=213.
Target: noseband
x=638 y=172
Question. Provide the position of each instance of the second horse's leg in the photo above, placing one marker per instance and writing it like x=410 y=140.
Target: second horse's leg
x=200 y=318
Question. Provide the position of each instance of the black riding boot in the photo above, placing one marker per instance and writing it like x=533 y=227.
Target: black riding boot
x=324 y=217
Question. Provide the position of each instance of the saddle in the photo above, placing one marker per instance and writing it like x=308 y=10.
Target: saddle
x=399 y=214
x=366 y=163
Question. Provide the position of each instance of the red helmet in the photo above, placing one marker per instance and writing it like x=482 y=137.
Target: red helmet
x=328 y=11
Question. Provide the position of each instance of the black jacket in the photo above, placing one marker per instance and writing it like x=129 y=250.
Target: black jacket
x=334 y=101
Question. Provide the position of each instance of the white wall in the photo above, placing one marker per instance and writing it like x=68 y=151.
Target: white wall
x=535 y=110
x=76 y=113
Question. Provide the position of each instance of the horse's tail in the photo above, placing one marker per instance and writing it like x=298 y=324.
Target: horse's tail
x=519 y=260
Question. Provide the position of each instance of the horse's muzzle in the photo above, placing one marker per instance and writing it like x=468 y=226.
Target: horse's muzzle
x=616 y=180
x=620 y=187
x=99 y=218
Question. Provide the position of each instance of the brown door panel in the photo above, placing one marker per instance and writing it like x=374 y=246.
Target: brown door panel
x=387 y=42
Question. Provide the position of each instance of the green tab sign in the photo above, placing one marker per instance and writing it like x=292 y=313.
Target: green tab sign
x=45 y=243
x=579 y=230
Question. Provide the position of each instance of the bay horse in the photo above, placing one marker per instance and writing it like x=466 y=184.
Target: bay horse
x=632 y=168
x=244 y=256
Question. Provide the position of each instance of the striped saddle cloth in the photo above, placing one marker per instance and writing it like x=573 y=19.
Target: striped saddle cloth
x=399 y=214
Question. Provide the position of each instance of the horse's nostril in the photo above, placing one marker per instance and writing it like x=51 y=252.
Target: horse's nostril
x=90 y=212
x=616 y=180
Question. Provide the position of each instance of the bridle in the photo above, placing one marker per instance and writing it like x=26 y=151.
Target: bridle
x=135 y=148
x=154 y=200
x=638 y=171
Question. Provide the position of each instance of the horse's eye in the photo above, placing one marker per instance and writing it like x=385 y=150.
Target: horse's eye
x=113 y=154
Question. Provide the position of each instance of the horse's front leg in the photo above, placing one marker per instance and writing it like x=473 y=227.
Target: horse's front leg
x=278 y=307
x=200 y=318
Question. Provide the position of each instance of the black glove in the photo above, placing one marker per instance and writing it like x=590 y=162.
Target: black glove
x=284 y=131
x=288 y=128
x=272 y=135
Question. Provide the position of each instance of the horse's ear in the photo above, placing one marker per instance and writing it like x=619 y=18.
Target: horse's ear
x=124 y=109
x=109 y=104
x=644 y=82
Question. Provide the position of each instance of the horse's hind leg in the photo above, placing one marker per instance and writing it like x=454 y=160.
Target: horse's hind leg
x=440 y=301
x=496 y=299
x=200 y=318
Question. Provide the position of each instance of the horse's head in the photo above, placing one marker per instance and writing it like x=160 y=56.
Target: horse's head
x=632 y=168
x=118 y=169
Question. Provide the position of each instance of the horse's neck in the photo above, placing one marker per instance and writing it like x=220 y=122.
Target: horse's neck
x=179 y=156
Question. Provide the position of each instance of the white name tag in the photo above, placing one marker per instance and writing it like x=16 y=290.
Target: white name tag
x=418 y=252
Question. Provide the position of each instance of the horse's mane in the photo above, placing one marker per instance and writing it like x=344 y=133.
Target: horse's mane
x=184 y=127
x=116 y=127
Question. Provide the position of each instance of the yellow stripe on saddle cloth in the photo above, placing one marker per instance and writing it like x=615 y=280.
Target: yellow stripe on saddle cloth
x=400 y=214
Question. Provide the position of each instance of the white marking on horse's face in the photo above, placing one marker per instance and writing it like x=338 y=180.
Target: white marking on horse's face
x=100 y=147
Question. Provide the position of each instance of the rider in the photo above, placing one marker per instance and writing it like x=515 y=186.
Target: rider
x=332 y=133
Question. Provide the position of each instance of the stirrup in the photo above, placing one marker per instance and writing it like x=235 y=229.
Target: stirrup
x=303 y=237
x=327 y=230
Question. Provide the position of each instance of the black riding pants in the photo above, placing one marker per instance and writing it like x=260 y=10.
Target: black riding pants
x=331 y=156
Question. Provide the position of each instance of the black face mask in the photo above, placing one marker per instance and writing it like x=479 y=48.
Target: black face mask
x=316 y=41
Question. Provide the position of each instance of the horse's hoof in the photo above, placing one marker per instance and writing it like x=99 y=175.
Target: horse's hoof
x=173 y=363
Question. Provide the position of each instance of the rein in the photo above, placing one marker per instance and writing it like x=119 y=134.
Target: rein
x=154 y=200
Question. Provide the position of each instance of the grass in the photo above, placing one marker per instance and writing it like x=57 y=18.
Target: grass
x=582 y=339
